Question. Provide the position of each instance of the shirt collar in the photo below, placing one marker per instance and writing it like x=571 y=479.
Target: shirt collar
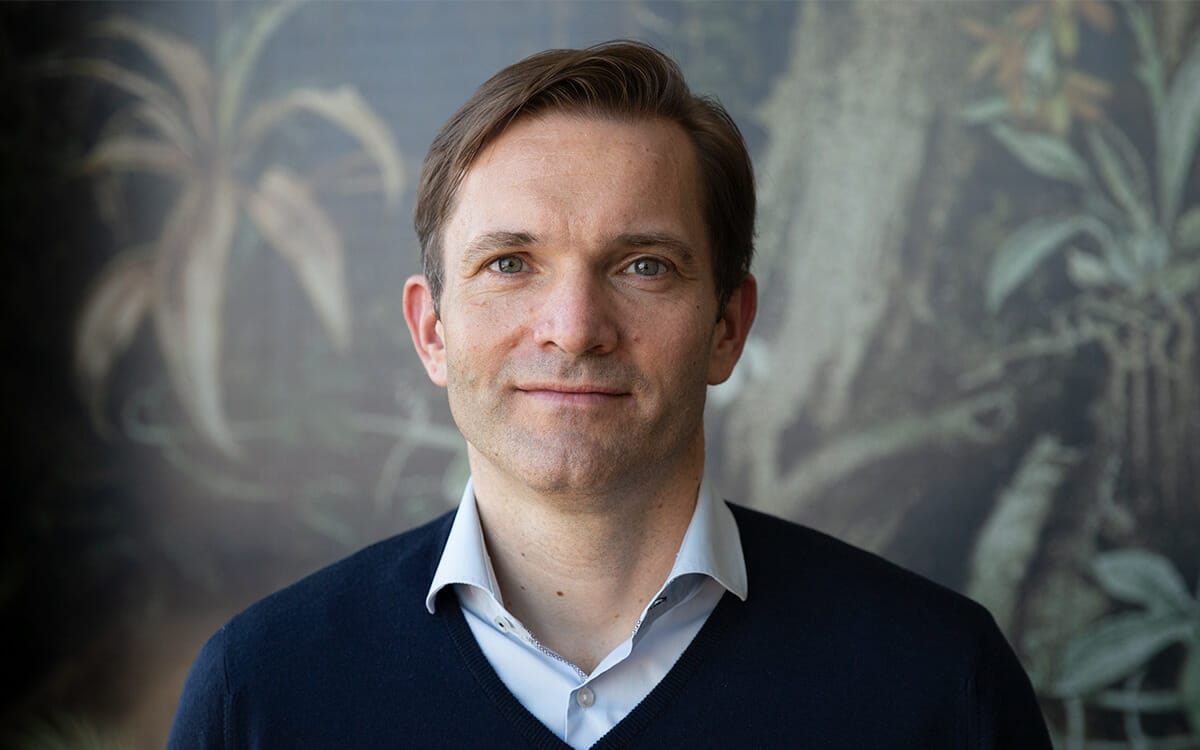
x=464 y=558
x=711 y=546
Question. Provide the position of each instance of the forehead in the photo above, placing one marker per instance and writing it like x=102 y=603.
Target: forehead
x=652 y=141
x=582 y=175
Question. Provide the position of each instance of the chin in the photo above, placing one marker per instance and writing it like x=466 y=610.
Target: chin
x=574 y=477
x=577 y=470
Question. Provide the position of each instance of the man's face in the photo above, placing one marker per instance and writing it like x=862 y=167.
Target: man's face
x=578 y=328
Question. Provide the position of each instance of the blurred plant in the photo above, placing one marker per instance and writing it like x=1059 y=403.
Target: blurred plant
x=1135 y=267
x=197 y=131
x=1007 y=543
x=1130 y=243
x=1030 y=60
x=1136 y=241
x=64 y=732
x=1120 y=647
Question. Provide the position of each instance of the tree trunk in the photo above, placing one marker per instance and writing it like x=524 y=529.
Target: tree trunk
x=847 y=126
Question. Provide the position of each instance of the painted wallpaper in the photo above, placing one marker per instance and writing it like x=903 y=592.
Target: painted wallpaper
x=978 y=251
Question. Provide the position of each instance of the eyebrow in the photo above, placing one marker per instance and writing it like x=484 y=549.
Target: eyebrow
x=490 y=242
x=657 y=239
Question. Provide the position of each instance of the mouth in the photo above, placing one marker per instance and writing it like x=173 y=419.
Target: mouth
x=582 y=394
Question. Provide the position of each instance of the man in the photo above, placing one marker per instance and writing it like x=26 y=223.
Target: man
x=586 y=228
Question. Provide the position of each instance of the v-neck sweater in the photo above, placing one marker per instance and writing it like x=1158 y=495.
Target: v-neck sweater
x=834 y=648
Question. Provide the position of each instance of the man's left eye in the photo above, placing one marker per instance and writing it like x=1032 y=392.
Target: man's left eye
x=646 y=267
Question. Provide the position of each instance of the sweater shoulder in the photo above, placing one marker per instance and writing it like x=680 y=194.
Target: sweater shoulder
x=795 y=564
x=356 y=599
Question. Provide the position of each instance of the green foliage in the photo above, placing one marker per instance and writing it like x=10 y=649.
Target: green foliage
x=1028 y=247
x=1178 y=123
x=1149 y=68
x=1046 y=155
x=197 y=132
x=1122 y=645
x=1139 y=235
x=1122 y=170
x=1031 y=58
x=1189 y=687
x=64 y=732
x=1187 y=232
x=989 y=110
x=1116 y=648
x=1144 y=578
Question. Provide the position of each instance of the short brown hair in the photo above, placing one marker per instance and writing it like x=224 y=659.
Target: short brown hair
x=618 y=79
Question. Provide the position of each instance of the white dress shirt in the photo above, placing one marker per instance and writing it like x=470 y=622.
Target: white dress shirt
x=580 y=708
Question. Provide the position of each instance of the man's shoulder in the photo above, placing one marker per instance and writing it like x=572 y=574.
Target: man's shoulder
x=340 y=650
x=924 y=658
x=799 y=565
x=371 y=589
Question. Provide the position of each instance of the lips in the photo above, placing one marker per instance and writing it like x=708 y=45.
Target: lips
x=573 y=393
x=587 y=388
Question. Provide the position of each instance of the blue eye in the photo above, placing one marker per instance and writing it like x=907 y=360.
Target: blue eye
x=647 y=267
x=508 y=264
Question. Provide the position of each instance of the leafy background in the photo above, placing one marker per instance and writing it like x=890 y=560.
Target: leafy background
x=979 y=251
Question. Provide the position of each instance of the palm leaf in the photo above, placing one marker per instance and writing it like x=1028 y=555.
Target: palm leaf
x=189 y=288
x=1150 y=65
x=301 y=232
x=182 y=63
x=1029 y=246
x=166 y=106
x=132 y=153
x=1123 y=171
x=346 y=109
x=235 y=77
x=140 y=117
x=110 y=317
x=1142 y=577
x=1115 y=648
x=1047 y=155
x=1178 y=131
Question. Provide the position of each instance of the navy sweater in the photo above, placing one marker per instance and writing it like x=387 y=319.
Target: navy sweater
x=835 y=648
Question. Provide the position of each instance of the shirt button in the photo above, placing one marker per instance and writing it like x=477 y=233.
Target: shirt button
x=585 y=697
x=502 y=623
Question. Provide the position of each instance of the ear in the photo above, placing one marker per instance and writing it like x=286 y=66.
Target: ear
x=425 y=327
x=731 y=331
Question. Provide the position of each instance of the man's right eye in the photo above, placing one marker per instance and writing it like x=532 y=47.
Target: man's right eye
x=508 y=264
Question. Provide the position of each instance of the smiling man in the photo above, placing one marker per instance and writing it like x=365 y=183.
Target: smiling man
x=586 y=227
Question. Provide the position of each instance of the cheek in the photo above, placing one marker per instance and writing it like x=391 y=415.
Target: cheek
x=498 y=313
x=681 y=357
x=478 y=340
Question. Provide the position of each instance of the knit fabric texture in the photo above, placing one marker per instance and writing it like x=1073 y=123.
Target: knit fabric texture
x=834 y=648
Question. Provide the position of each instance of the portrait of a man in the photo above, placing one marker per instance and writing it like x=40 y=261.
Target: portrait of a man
x=586 y=225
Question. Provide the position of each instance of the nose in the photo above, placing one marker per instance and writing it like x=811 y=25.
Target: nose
x=577 y=316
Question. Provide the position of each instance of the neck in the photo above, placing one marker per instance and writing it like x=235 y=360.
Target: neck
x=578 y=571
